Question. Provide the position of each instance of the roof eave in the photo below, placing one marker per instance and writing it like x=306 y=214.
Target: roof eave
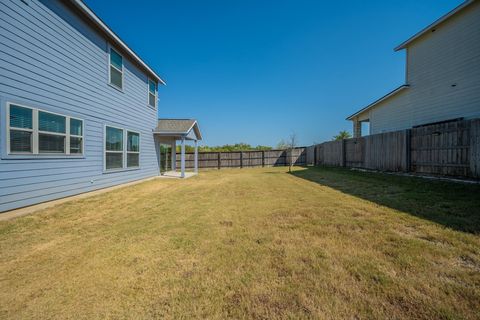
x=373 y=104
x=100 y=24
x=197 y=130
x=173 y=133
x=404 y=44
x=177 y=134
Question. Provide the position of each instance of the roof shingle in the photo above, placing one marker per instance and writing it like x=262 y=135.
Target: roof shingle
x=174 y=125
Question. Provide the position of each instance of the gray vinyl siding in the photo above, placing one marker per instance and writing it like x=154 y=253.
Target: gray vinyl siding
x=53 y=60
x=436 y=61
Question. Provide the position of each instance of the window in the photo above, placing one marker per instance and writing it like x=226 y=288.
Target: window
x=133 y=149
x=21 y=129
x=116 y=69
x=51 y=133
x=152 y=93
x=113 y=148
x=122 y=149
x=76 y=136
x=34 y=131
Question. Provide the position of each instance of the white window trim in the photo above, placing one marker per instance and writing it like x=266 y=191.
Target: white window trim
x=148 y=93
x=35 y=133
x=124 y=150
x=110 y=48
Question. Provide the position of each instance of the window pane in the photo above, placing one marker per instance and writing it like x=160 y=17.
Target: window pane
x=48 y=143
x=133 y=141
x=114 y=139
x=75 y=145
x=51 y=122
x=133 y=159
x=151 y=100
x=152 y=86
x=20 y=141
x=116 y=59
x=114 y=160
x=76 y=127
x=116 y=77
x=20 y=117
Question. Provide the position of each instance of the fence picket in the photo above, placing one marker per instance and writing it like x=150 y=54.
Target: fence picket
x=451 y=148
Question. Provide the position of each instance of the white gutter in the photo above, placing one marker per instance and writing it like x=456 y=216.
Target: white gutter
x=95 y=19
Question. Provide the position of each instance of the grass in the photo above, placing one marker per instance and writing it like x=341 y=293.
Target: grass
x=250 y=243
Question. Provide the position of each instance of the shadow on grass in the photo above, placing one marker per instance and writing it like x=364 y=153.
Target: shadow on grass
x=454 y=205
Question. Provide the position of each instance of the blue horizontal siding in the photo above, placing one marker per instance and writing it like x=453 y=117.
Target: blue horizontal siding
x=53 y=60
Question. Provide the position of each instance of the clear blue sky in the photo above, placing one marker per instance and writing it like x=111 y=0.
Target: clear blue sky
x=254 y=71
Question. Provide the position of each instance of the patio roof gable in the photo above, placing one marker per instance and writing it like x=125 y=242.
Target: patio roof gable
x=186 y=128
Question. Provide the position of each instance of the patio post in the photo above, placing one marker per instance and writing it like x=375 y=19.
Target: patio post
x=174 y=155
x=196 y=156
x=182 y=159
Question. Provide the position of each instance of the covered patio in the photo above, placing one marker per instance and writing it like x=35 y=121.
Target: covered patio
x=167 y=133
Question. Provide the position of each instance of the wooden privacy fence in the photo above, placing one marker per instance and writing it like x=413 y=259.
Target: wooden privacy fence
x=451 y=149
x=241 y=159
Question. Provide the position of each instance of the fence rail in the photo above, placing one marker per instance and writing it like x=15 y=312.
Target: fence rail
x=241 y=159
x=450 y=149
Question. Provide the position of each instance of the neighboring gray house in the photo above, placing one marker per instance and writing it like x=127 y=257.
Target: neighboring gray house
x=78 y=108
x=442 y=80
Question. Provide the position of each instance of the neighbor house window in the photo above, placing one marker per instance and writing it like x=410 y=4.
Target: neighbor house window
x=133 y=149
x=113 y=148
x=116 y=69
x=122 y=148
x=34 y=131
x=152 y=93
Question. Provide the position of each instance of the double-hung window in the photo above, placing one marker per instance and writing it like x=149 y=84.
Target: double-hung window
x=116 y=69
x=21 y=129
x=122 y=149
x=52 y=135
x=113 y=148
x=133 y=149
x=152 y=93
x=38 y=132
x=76 y=136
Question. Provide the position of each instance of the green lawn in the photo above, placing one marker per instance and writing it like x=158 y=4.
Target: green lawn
x=250 y=243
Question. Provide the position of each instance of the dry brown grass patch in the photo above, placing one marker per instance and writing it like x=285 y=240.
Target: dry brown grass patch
x=250 y=243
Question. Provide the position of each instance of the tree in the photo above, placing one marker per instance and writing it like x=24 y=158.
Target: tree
x=282 y=145
x=260 y=148
x=342 y=135
x=226 y=148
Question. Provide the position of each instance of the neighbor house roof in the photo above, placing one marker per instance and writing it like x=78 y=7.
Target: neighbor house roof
x=432 y=26
x=181 y=127
x=373 y=104
x=79 y=4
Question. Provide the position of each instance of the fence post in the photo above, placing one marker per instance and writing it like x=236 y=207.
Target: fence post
x=344 y=160
x=475 y=148
x=314 y=155
x=263 y=158
x=408 y=149
x=219 y=160
x=241 y=159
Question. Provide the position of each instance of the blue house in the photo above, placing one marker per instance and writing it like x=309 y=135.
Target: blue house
x=78 y=107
